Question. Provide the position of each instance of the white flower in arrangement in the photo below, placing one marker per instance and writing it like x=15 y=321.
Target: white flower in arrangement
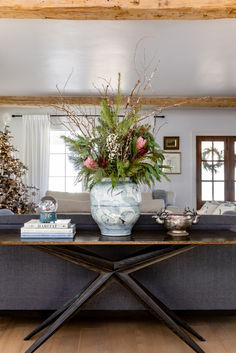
x=112 y=145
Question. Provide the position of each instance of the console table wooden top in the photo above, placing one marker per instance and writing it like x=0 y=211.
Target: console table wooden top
x=140 y=237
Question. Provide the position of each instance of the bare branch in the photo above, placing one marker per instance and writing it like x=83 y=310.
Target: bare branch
x=131 y=94
x=160 y=127
x=68 y=79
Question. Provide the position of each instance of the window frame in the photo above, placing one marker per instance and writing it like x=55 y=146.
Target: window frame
x=229 y=172
x=66 y=154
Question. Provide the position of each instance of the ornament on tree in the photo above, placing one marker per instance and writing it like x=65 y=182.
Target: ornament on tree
x=14 y=194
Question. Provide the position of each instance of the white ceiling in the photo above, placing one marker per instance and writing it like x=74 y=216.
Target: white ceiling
x=196 y=57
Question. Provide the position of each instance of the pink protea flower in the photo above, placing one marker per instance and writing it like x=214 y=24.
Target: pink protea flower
x=90 y=163
x=140 y=143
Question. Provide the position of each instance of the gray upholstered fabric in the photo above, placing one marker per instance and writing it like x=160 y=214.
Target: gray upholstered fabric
x=159 y=194
x=203 y=278
x=167 y=196
x=229 y=213
x=5 y=211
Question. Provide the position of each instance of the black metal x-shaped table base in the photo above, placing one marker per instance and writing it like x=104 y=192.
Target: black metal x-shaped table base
x=119 y=271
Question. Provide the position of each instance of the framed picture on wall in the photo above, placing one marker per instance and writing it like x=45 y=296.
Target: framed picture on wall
x=171 y=142
x=173 y=160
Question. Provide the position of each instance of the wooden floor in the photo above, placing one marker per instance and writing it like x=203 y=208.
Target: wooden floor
x=118 y=333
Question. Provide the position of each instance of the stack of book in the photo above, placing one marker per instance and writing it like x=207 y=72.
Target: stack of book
x=61 y=229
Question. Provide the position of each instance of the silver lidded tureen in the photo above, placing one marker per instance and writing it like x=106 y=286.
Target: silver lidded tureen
x=177 y=223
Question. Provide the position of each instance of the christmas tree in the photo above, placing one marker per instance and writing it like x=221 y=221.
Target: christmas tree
x=14 y=194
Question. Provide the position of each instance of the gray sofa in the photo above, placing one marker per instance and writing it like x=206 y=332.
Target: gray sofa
x=80 y=202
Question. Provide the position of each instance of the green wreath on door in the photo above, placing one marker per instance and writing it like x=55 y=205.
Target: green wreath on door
x=212 y=167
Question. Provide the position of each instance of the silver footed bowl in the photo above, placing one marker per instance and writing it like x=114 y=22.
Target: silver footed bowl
x=177 y=223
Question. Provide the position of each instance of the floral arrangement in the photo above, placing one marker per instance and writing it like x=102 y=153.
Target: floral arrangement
x=114 y=146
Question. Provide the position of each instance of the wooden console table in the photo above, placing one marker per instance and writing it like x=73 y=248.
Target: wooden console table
x=157 y=248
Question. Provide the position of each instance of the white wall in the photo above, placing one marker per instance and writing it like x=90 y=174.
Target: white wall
x=186 y=123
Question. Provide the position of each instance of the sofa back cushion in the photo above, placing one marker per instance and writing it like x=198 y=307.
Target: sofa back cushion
x=151 y=206
x=76 y=196
x=146 y=196
x=72 y=206
x=69 y=202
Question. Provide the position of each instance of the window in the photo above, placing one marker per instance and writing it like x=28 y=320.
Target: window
x=62 y=175
x=216 y=177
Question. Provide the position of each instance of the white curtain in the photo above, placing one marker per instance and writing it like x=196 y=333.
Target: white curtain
x=36 y=148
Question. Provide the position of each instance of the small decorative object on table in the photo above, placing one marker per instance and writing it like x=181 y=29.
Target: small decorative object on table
x=60 y=229
x=48 y=206
x=48 y=227
x=177 y=223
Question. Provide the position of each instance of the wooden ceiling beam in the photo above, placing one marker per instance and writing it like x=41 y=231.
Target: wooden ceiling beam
x=118 y=9
x=205 y=102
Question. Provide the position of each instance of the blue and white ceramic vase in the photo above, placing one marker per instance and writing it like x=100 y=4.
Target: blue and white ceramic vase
x=115 y=210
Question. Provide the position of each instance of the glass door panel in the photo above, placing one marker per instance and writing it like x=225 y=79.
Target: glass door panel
x=218 y=150
x=207 y=188
x=216 y=169
x=206 y=147
x=212 y=170
x=219 y=191
x=219 y=171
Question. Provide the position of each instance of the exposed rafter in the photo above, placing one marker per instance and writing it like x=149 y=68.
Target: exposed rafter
x=118 y=9
x=214 y=102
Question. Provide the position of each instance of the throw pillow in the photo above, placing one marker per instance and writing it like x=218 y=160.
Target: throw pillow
x=224 y=207
x=208 y=208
